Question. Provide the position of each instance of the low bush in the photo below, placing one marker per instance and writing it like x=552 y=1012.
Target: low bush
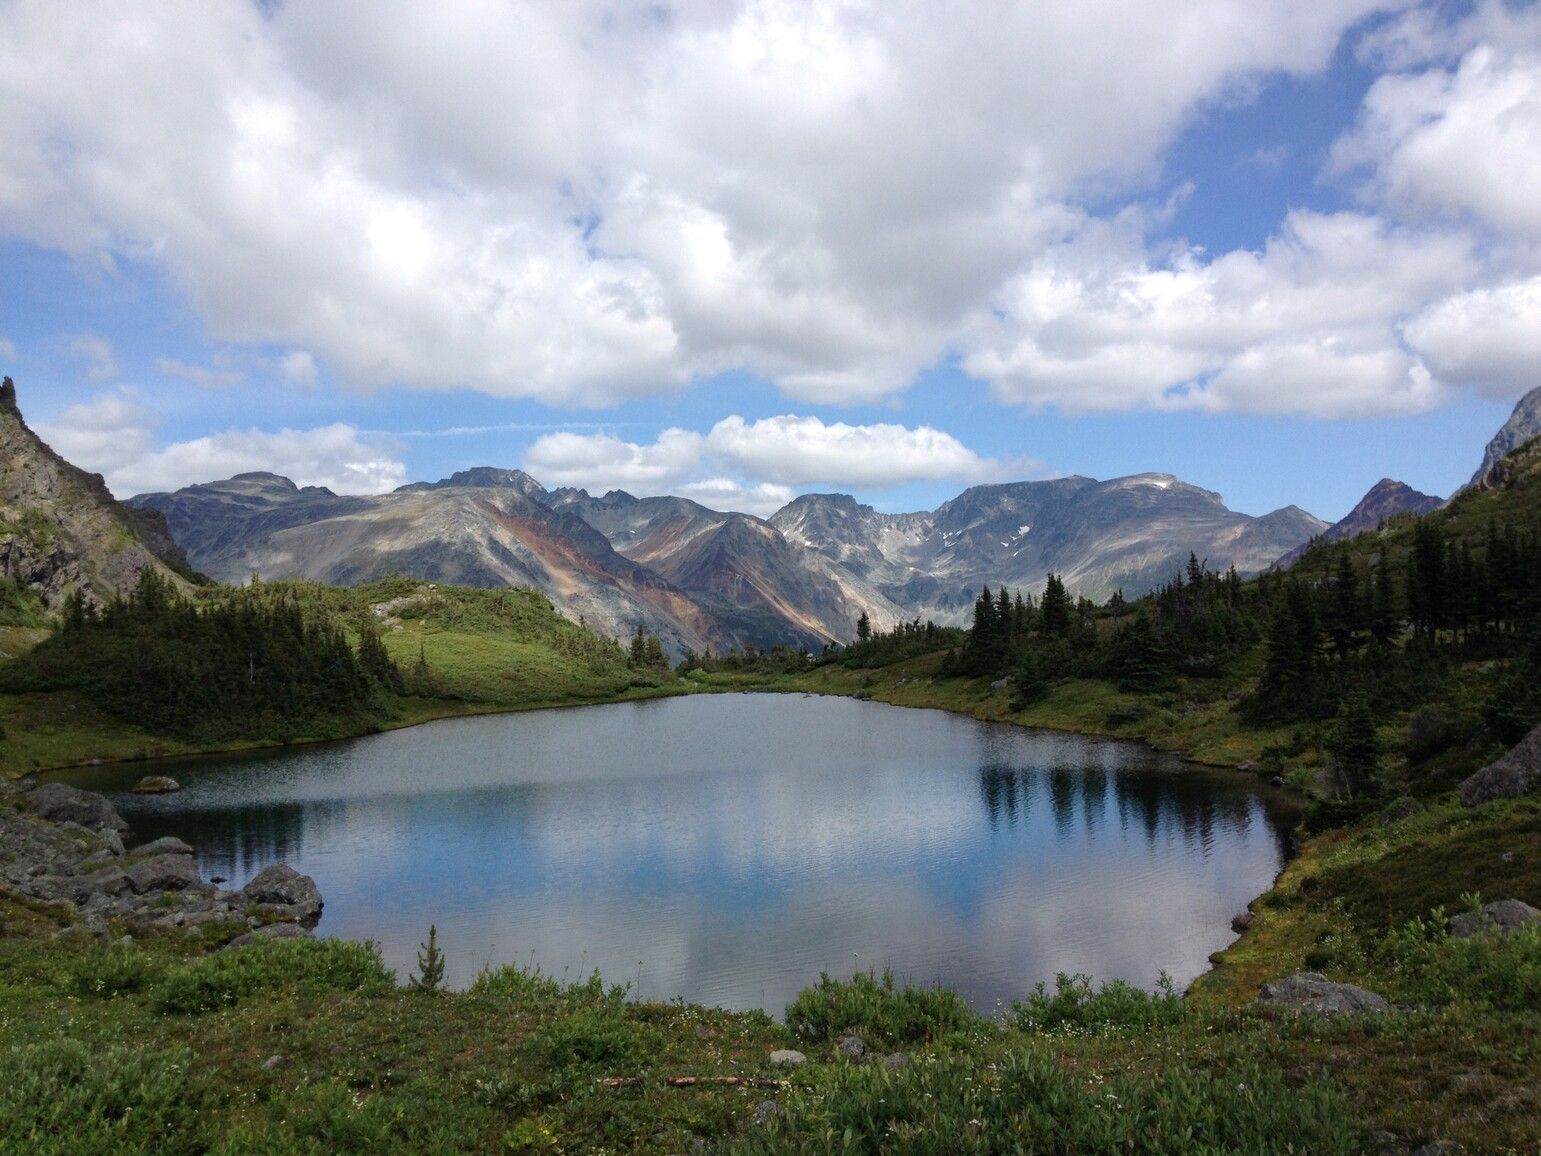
x=1027 y=1104
x=67 y=1096
x=881 y=1012
x=1425 y=965
x=1074 y=1006
x=111 y=971
x=310 y=965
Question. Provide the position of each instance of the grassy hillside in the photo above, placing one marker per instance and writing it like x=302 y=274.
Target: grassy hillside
x=461 y=651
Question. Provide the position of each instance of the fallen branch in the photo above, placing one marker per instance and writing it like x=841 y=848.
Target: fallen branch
x=692 y=1081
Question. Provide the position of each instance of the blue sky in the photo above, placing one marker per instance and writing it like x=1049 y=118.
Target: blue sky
x=744 y=251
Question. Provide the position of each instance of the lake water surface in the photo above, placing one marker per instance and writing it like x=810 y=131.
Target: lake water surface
x=726 y=849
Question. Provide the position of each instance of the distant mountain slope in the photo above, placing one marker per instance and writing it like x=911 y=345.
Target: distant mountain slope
x=1524 y=425
x=762 y=587
x=1129 y=534
x=474 y=535
x=1386 y=499
x=60 y=528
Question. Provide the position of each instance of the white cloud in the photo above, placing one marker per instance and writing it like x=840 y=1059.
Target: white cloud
x=799 y=451
x=96 y=353
x=753 y=466
x=1486 y=339
x=113 y=435
x=582 y=203
x=200 y=375
x=7 y=348
x=299 y=367
x=1307 y=325
x=1465 y=141
x=104 y=435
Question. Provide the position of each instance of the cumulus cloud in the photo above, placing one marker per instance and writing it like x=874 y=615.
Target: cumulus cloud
x=1461 y=141
x=114 y=435
x=753 y=466
x=201 y=375
x=582 y=204
x=1486 y=339
x=1307 y=325
x=96 y=354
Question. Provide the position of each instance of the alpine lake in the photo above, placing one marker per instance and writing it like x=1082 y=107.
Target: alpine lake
x=727 y=849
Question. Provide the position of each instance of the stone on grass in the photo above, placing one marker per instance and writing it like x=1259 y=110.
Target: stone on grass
x=271 y=931
x=787 y=1058
x=273 y=1063
x=1310 y=991
x=1500 y=915
x=764 y=1112
x=895 y=1060
x=1517 y=773
x=851 y=1047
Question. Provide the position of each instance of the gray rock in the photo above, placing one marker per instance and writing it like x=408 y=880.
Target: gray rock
x=164 y=873
x=271 y=931
x=1437 y=1148
x=1398 y=810
x=764 y=1112
x=1500 y=915
x=851 y=1047
x=1309 y=991
x=1240 y=922
x=1000 y=684
x=80 y=889
x=1517 y=773
x=1246 y=765
x=787 y=1058
x=282 y=886
x=156 y=785
x=165 y=845
x=895 y=1060
x=273 y=1063
x=59 y=803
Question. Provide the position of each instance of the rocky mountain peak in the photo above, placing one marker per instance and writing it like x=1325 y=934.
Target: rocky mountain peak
x=61 y=530
x=1524 y=424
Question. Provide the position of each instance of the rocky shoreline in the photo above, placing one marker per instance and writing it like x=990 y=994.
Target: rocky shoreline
x=64 y=848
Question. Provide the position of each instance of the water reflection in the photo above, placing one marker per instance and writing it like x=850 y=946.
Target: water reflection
x=729 y=849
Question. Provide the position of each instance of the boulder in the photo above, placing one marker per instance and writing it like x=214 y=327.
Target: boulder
x=282 y=886
x=79 y=889
x=156 y=785
x=895 y=1061
x=165 y=845
x=164 y=873
x=1399 y=809
x=271 y=931
x=787 y=1058
x=1517 y=773
x=1500 y=915
x=1000 y=684
x=764 y=1112
x=851 y=1047
x=1309 y=991
x=59 y=803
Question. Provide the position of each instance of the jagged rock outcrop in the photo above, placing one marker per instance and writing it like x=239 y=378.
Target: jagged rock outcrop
x=1385 y=500
x=62 y=530
x=1516 y=773
x=1523 y=426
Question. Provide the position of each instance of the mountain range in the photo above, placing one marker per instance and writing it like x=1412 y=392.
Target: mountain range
x=702 y=578
x=696 y=577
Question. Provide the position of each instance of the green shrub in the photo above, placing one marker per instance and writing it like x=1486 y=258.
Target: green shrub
x=518 y=985
x=1027 y=1104
x=1074 y=1006
x=879 y=1011
x=1424 y=964
x=599 y=1035
x=66 y=1096
x=112 y=971
x=312 y=965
